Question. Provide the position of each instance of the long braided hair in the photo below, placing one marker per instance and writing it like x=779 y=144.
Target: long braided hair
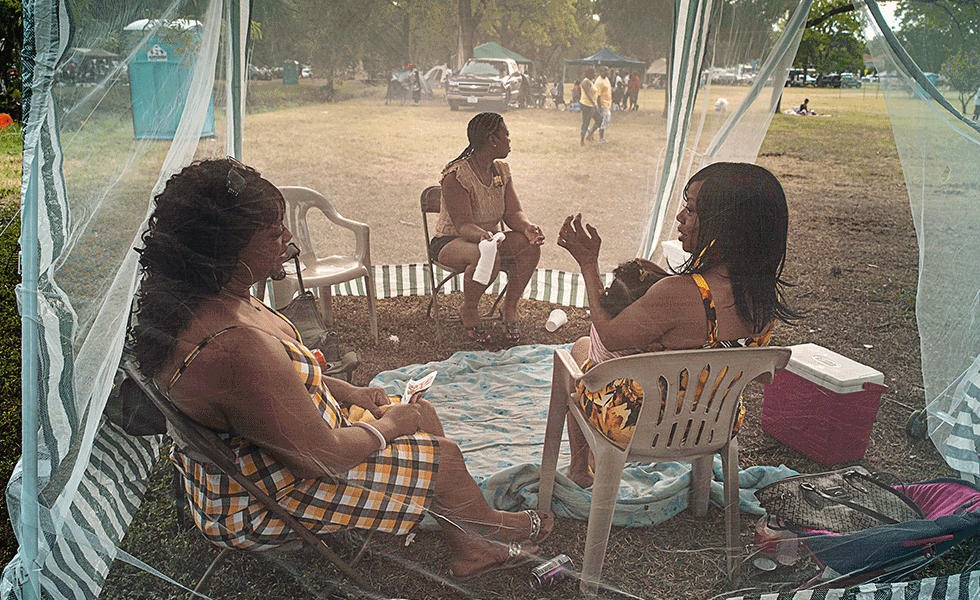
x=478 y=133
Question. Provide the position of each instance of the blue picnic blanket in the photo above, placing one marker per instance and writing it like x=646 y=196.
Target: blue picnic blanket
x=495 y=405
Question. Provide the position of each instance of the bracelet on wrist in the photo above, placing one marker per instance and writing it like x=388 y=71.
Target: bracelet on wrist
x=382 y=442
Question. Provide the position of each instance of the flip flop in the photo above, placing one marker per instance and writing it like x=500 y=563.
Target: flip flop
x=477 y=333
x=511 y=330
x=516 y=557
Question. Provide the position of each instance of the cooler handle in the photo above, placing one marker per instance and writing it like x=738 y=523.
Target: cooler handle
x=874 y=387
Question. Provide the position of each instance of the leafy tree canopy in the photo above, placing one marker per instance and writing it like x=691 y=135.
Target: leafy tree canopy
x=932 y=31
x=833 y=40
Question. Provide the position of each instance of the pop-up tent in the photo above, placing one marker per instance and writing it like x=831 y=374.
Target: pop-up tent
x=88 y=185
x=607 y=58
x=495 y=50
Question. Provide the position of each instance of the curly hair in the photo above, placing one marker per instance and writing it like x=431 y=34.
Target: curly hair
x=478 y=133
x=630 y=281
x=742 y=223
x=204 y=218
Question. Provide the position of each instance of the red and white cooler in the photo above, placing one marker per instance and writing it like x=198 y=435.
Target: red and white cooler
x=823 y=404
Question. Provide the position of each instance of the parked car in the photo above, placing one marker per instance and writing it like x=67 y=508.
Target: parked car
x=306 y=72
x=259 y=73
x=830 y=80
x=849 y=80
x=494 y=81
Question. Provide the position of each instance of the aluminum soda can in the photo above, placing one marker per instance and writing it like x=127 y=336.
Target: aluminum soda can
x=551 y=571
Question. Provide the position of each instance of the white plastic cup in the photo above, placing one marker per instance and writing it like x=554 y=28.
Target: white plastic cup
x=556 y=319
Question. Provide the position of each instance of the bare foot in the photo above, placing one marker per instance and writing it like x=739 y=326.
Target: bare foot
x=582 y=479
x=485 y=556
x=469 y=316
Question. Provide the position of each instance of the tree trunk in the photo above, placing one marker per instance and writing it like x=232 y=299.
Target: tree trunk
x=467 y=32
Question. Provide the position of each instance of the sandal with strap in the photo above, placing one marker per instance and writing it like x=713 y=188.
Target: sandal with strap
x=511 y=330
x=477 y=333
x=518 y=555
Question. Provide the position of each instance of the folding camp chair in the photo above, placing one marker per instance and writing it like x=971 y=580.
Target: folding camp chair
x=204 y=445
x=431 y=202
x=695 y=425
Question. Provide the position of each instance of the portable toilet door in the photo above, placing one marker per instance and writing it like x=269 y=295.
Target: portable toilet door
x=159 y=78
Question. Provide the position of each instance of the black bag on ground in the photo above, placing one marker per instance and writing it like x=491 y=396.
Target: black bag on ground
x=843 y=501
x=304 y=314
x=129 y=408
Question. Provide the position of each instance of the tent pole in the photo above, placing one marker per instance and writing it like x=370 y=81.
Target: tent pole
x=235 y=31
x=30 y=589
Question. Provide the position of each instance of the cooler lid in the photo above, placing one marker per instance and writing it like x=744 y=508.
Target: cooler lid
x=831 y=370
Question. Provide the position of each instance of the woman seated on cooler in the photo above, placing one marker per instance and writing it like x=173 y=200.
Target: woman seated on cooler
x=734 y=224
x=237 y=367
x=477 y=192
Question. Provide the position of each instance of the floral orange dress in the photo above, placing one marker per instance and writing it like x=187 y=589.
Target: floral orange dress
x=613 y=410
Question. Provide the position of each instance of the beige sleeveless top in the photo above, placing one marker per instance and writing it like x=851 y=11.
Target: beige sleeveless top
x=486 y=202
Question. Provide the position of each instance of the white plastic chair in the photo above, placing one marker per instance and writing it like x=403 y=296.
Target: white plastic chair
x=321 y=272
x=696 y=424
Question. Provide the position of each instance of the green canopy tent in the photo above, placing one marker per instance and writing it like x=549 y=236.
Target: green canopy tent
x=495 y=50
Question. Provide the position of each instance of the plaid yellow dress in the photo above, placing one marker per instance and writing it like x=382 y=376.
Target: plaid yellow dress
x=389 y=491
x=614 y=409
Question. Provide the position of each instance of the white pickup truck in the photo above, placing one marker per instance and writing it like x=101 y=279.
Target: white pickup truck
x=483 y=81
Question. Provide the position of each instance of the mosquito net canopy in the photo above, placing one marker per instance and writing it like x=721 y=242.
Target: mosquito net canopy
x=121 y=95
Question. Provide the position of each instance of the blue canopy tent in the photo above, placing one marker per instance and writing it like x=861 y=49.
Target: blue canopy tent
x=608 y=58
x=604 y=57
x=87 y=190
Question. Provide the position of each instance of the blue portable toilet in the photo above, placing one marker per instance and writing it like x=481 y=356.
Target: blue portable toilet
x=160 y=76
x=290 y=72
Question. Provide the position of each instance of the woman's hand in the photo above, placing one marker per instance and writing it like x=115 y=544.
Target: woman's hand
x=401 y=419
x=369 y=398
x=582 y=242
x=534 y=234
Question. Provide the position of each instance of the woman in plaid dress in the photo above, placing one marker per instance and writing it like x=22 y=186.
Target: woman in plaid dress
x=239 y=368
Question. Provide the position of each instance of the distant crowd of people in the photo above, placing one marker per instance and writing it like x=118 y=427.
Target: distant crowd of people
x=596 y=98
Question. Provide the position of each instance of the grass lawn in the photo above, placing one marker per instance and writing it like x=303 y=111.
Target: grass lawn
x=10 y=363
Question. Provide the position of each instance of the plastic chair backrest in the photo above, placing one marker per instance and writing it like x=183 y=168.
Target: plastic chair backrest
x=299 y=202
x=690 y=396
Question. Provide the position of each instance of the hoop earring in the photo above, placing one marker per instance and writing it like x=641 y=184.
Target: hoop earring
x=251 y=277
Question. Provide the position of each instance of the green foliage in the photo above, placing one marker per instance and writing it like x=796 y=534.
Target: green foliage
x=10 y=162
x=963 y=72
x=835 y=44
x=11 y=42
x=932 y=32
x=10 y=385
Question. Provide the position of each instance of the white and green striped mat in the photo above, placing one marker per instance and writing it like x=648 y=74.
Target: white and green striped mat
x=547 y=285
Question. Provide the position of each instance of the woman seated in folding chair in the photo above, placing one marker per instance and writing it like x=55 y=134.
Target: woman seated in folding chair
x=239 y=368
x=477 y=193
x=734 y=224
